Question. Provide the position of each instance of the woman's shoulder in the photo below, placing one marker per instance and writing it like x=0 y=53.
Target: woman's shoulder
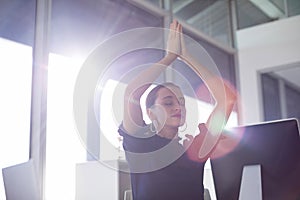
x=143 y=131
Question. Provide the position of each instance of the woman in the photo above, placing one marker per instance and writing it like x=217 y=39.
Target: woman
x=165 y=176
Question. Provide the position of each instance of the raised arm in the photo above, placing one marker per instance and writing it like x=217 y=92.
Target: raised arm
x=133 y=118
x=223 y=95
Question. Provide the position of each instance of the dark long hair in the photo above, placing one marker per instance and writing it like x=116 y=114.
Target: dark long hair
x=151 y=97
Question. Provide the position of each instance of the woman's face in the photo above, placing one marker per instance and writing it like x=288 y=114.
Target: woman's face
x=170 y=107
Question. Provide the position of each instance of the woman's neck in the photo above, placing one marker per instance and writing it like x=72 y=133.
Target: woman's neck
x=169 y=133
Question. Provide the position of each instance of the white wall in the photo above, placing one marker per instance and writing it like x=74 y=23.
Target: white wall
x=260 y=48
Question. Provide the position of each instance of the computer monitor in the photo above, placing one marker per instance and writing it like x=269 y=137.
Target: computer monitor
x=275 y=146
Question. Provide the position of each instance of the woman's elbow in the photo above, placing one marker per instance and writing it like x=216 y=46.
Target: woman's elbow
x=231 y=96
x=232 y=99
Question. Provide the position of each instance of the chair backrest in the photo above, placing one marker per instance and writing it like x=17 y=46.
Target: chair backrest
x=20 y=182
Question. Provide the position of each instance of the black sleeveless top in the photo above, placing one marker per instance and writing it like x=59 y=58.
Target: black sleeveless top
x=160 y=168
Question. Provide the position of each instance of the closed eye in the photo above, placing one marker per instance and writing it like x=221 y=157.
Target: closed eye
x=170 y=101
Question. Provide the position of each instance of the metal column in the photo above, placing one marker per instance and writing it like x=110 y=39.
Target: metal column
x=39 y=91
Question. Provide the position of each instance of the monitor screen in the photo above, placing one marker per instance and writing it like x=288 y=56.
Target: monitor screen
x=275 y=146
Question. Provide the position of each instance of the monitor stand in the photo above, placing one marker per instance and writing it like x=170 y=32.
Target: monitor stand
x=251 y=187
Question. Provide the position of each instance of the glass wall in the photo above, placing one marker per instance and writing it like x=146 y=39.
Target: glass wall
x=271 y=97
x=15 y=86
x=212 y=18
x=293 y=7
x=16 y=37
x=251 y=13
x=77 y=29
x=219 y=19
x=64 y=147
x=281 y=93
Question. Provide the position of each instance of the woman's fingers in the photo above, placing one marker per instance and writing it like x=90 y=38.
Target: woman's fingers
x=174 y=44
x=177 y=38
x=187 y=142
x=178 y=28
x=173 y=25
x=202 y=127
x=189 y=137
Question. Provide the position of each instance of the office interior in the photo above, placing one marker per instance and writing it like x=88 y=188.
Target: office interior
x=46 y=47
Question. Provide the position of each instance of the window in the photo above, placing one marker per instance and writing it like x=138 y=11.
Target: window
x=15 y=86
x=281 y=93
x=64 y=147
x=77 y=27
